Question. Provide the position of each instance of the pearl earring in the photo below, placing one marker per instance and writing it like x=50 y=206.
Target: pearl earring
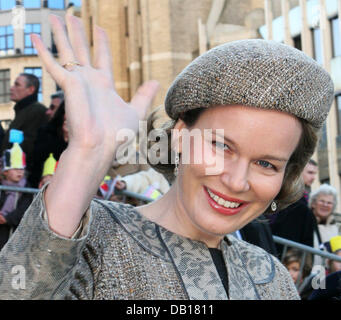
x=176 y=162
x=273 y=206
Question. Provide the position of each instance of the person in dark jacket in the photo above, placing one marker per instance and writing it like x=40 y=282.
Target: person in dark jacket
x=258 y=232
x=51 y=138
x=13 y=204
x=29 y=114
x=296 y=222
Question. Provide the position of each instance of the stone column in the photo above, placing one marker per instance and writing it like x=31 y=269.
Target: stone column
x=285 y=13
x=268 y=18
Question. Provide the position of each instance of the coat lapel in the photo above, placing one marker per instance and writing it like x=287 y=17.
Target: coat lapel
x=195 y=266
x=247 y=265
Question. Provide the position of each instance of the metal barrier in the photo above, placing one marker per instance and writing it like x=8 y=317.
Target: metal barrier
x=305 y=249
x=118 y=192
x=287 y=243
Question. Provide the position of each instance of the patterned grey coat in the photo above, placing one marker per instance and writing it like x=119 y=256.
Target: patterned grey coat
x=119 y=254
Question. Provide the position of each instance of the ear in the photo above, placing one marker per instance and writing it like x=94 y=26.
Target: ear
x=31 y=89
x=176 y=136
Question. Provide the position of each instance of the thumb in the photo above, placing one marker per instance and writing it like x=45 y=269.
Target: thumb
x=144 y=97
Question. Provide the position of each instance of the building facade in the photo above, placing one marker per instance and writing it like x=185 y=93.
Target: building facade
x=17 y=20
x=156 y=39
x=314 y=27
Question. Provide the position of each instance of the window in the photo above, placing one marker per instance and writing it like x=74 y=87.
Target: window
x=336 y=37
x=7 y=4
x=38 y=73
x=31 y=3
x=56 y=4
x=5 y=86
x=298 y=42
x=6 y=39
x=76 y=3
x=318 y=54
x=30 y=28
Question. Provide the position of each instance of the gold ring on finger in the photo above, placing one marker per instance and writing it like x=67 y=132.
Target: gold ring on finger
x=71 y=64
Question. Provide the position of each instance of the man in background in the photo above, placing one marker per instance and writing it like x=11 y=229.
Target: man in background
x=29 y=113
x=309 y=175
x=56 y=100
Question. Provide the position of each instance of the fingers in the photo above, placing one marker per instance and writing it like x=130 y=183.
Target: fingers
x=57 y=72
x=102 y=52
x=144 y=97
x=78 y=39
x=65 y=51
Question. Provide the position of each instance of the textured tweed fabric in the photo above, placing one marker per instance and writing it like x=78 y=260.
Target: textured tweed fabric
x=119 y=254
x=258 y=73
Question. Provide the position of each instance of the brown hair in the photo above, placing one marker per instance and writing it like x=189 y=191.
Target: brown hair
x=292 y=187
x=295 y=255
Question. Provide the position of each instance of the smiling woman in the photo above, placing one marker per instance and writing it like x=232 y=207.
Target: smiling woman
x=264 y=103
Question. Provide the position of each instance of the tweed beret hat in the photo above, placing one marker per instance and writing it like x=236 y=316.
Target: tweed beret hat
x=254 y=72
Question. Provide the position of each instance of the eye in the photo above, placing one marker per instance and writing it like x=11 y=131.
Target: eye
x=265 y=164
x=221 y=145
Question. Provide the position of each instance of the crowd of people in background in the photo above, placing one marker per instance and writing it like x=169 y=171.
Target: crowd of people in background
x=310 y=221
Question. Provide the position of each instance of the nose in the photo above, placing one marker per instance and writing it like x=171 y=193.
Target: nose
x=236 y=176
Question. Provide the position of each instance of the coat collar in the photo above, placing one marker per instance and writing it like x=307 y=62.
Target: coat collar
x=247 y=265
x=25 y=102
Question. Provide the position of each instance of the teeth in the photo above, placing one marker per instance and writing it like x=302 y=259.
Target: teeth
x=222 y=202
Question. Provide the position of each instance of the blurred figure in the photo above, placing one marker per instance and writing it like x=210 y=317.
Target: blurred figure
x=144 y=182
x=56 y=100
x=293 y=262
x=51 y=138
x=335 y=248
x=30 y=115
x=309 y=175
x=323 y=203
x=332 y=292
x=13 y=204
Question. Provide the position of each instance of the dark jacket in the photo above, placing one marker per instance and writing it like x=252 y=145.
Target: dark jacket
x=296 y=223
x=258 y=232
x=13 y=218
x=30 y=115
x=49 y=140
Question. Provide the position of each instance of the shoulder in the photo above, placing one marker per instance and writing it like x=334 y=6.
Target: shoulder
x=268 y=274
x=259 y=263
x=39 y=106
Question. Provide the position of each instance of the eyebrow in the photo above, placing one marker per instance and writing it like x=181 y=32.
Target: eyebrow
x=265 y=156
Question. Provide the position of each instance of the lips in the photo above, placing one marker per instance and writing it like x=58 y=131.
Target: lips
x=224 y=204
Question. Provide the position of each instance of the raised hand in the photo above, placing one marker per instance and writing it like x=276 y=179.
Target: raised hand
x=94 y=113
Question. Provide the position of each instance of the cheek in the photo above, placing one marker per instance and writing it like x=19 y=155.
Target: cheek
x=266 y=188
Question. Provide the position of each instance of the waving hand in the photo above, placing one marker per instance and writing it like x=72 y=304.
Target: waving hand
x=94 y=112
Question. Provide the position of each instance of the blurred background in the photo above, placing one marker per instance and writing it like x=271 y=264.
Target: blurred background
x=156 y=39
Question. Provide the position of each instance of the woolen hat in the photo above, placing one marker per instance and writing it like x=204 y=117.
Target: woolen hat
x=50 y=166
x=254 y=72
